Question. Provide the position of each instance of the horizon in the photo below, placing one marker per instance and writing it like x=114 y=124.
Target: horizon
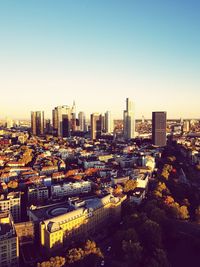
x=100 y=52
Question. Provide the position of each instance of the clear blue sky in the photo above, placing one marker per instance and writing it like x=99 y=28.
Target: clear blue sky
x=99 y=52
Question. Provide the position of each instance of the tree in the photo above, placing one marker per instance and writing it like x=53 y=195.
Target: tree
x=91 y=248
x=133 y=252
x=13 y=184
x=118 y=190
x=184 y=214
x=197 y=214
x=130 y=185
x=151 y=235
x=158 y=215
x=74 y=254
x=53 y=262
x=159 y=259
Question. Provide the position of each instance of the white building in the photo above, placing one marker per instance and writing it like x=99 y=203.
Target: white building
x=69 y=189
x=129 y=120
x=82 y=121
x=9 y=245
x=108 y=122
x=11 y=202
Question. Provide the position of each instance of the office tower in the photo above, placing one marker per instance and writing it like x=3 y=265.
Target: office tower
x=159 y=121
x=73 y=117
x=186 y=126
x=55 y=120
x=65 y=126
x=9 y=245
x=11 y=202
x=57 y=114
x=9 y=123
x=82 y=121
x=96 y=125
x=37 y=122
x=48 y=128
x=129 y=120
x=108 y=122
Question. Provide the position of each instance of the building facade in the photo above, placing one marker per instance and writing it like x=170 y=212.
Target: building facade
x=159 y=125
x=37 y=122
x=129 y=120
x=96 y=125
x=11 y=202
x=108 y=122
x=69 y=189
x=81 y=219
x=9 y=245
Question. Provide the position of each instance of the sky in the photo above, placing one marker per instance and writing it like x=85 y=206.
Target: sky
x=98 y=52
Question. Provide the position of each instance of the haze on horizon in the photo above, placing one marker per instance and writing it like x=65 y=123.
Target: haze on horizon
x=98 y=53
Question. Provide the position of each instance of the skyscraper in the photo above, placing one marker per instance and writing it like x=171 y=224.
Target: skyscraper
x=57 y=114
x=82 y=122
x=129 y=120
x=96 y=125
x=108 y=122
x=37 y=122
x=159 y=121
x=65 y=126
x=73 y=117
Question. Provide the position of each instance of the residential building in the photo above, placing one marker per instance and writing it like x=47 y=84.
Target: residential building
x=70 y=189
x=37 y=193
x=9 y=246
x=11 y=202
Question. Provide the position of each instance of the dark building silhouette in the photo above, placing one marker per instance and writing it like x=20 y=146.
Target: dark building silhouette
x=159 y=120
x=65 y=126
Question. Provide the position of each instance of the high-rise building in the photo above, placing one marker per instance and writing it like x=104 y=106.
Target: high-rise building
x=9 y=245
x=48 y=128
x=186 y=126
x=96 y=125
x=129 y=120
x=55 y=120
x=65 y=126
x=108 y=122
x=159 y=121
x=9 y=123
x=82 y=121
x=73 y=117
x=58 y=125
x=37 y=122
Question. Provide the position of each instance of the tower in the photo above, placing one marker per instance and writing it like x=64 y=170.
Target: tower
x=96 y=125
x=108 y=122
x=129 y=121
x=159 y=121
x=37 y=122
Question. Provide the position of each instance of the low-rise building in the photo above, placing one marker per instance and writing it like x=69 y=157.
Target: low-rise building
x=70 y=189
x=37 y=193
x=61 y=224
x=11 y=202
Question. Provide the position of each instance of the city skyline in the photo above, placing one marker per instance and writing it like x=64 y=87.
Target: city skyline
x=99 y=53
